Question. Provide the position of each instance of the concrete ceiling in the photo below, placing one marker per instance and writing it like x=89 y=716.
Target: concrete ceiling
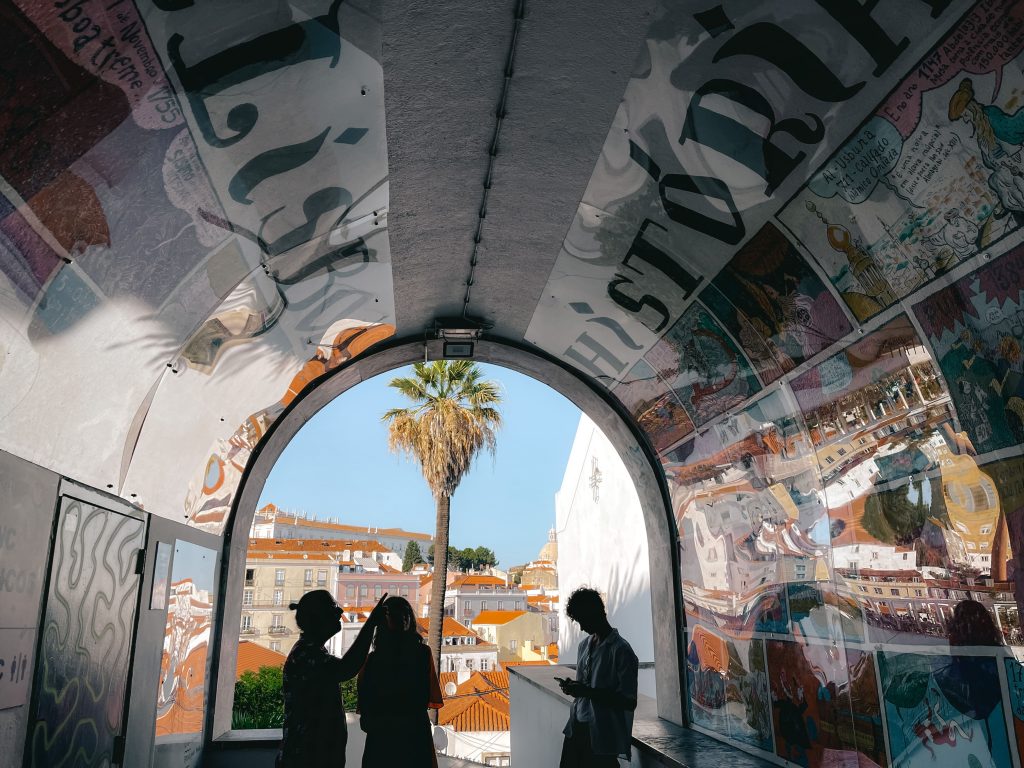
x=443 y=77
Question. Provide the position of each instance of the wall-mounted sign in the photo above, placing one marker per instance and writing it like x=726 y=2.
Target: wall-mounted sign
x=16 y=647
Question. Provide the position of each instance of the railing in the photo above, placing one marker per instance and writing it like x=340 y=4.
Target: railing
x=279 y=631
x=249 y=631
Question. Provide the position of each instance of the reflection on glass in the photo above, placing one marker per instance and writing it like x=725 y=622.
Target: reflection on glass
x=183 y=665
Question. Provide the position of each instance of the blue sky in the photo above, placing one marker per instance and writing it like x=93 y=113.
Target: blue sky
x=339 y=465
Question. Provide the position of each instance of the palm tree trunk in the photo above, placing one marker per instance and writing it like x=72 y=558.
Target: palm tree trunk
x=439 y=584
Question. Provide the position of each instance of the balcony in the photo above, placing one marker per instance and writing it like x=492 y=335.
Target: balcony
x=249 y=632
x=279 y=631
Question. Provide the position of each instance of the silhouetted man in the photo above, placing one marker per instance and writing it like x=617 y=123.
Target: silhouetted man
x=601 y=717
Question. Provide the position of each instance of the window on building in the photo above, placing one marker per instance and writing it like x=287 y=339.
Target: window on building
x=378 y=591
x=519 y=605
x=841 y=451
x=483 y=605
x=404 y=591
x=878 y=590
x=513 y=645
x=307 y=576
x=469 y=664
x=275 y=645
x=918 y=593
x=250 y=575
x=363 y=590
x=485 y=665
x=278 y=597
x=350 y=590
x=829 y=460
x=501 y=605
x=321 y=577
x=246 y=621
x=278 y=620
x=247 y=597
x=279 y=576
x=894 y=592
x=467 y=609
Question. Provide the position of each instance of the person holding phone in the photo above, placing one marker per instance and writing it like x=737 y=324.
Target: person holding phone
x=315 y=734
x=601 y=717
x=397 y=686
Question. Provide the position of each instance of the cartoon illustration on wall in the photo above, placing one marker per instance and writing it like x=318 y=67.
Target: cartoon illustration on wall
x=944 y=710
x=934 y=177
x=658 y=412
x=976 y=328
x=702 y=365
x=728 y=686
x=825 y=707
x=775 y=305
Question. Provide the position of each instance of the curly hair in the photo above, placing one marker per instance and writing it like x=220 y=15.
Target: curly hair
x=583 y=598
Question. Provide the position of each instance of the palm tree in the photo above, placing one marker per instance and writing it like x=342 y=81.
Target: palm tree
x=453 y=417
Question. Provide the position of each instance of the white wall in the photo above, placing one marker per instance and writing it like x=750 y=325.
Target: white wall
x=472 y=745
x=603 y=544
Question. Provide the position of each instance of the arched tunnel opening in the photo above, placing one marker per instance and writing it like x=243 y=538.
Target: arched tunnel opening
x=773 y=250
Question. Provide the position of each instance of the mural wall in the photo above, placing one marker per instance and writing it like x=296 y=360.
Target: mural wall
x=811 y=298
x=210 y=225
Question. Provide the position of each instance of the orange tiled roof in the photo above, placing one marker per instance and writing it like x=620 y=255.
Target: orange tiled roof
x=323 y=524
x=449 y=628
x=479 y=704
x=252 y=656
x=319 y=545
x=537 y=663
x=497 y=617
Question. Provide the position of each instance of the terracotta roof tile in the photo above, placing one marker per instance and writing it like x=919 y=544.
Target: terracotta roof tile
x=449 y=628
x=497 y=617
x=252 y=656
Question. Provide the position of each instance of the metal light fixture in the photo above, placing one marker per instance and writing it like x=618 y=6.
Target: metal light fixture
x=458 y=336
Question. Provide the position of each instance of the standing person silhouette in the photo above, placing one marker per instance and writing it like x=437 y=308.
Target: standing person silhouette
x=396 y=687
x=604 y=691
x=315 y=734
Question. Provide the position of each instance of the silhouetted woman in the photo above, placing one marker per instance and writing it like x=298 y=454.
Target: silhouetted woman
x=396 y=687
x=315 y=734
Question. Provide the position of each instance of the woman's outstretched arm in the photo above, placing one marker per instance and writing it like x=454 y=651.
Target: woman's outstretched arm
x=348 y=666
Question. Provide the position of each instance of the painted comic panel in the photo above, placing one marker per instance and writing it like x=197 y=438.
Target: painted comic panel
x=934 y=177
x=976 y=328
x=728 y=684
x=703 y=366
x=1015 y=689
x=775 y=305
x=944 y=710
x=655 y=407
x=825 y=706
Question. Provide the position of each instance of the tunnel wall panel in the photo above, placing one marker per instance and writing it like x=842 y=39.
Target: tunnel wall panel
x=28 y=500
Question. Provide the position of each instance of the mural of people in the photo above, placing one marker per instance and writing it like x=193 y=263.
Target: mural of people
x=999 y=136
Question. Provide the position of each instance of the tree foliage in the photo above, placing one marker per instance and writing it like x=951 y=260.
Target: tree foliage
x=468 y=558
x=453 y=416
x=259 y=701
x=413 y=555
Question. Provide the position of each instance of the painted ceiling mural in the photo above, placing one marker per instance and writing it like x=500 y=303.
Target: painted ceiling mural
x=187 y=225
x=799 y=263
